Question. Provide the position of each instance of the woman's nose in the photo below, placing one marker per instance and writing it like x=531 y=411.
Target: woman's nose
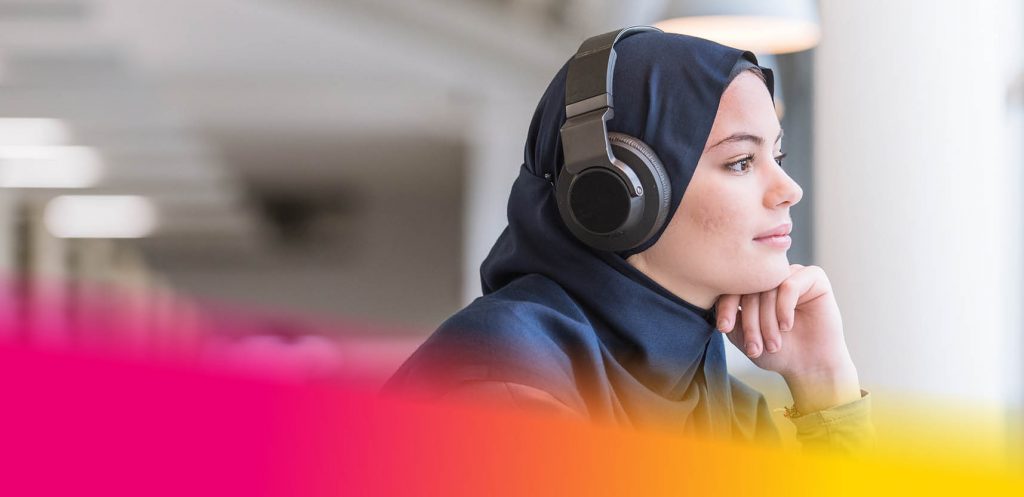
x=783 y=190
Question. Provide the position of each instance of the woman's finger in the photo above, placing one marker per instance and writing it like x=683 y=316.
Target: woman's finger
x=728 y=305
x=737 y=338
x=789 y=293
x=769 y=322
x=751 y=325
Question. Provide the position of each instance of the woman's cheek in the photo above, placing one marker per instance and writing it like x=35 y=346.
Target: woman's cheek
x=727 y=233
x=718 y=217
x=716 y=225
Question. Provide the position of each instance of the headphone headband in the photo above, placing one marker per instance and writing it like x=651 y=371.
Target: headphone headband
x=588 y=106
x=589 y=79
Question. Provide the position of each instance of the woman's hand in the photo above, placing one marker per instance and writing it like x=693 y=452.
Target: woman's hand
x=796 y=331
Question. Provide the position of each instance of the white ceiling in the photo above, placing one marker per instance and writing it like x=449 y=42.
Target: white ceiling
x=198 y=102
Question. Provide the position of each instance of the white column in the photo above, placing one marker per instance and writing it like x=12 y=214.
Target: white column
x=918 y=193
x=495 y=142
x=48 y=297
x=8 y=208
x=9 y=298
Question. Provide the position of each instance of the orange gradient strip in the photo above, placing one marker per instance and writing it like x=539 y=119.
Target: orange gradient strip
x=73 y=424
x=111 y=402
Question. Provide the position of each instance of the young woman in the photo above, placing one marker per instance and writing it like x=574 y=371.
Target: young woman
x=633 y=335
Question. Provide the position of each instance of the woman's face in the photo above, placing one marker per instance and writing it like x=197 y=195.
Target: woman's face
x=738 y=192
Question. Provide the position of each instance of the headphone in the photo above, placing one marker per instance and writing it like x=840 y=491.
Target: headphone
x=612 y=191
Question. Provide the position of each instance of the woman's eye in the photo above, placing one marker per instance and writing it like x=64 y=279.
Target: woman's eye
x=779 y=159
x=744 y=164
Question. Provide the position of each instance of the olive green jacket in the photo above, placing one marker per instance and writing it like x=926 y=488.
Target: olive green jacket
x=846 y=428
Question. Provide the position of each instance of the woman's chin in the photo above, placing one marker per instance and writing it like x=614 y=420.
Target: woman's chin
x=762 y=279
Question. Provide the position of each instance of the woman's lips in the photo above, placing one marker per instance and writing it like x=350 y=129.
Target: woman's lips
x=777 y=237
x=778 y=241
x=782 y=229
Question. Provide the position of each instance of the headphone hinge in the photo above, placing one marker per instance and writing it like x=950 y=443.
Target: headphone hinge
x=591 y=104
x=584 y=138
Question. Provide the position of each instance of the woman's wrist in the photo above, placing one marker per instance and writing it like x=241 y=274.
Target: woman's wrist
x=824 y=388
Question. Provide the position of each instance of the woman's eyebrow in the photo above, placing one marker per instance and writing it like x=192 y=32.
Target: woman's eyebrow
x=739 y=137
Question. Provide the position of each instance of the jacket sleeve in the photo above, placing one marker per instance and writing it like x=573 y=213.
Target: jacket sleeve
x=752 y=419
x=845 y=428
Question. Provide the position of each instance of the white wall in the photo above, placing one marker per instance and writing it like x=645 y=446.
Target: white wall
x=918 y=187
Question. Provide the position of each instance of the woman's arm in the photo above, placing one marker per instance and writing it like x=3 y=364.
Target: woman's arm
x=816 y=390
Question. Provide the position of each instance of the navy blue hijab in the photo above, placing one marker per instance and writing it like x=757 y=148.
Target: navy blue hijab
x=584 y=325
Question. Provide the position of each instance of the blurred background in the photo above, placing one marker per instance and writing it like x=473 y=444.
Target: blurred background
x=341 y=168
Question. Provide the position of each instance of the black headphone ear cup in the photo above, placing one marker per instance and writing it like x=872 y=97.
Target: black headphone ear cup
x=657 y=188
x=597 y=208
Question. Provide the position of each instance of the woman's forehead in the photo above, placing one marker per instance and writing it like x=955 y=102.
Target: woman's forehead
x=746 y=109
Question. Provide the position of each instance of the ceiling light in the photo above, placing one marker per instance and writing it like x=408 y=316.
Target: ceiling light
x=100 y=216
x=761 y=26
x=49 y=167
x=33 y=131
